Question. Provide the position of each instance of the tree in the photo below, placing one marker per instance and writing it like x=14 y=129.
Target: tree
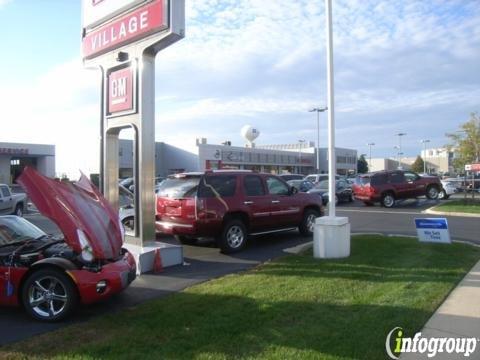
x=466 y=142
x=418 y=165
x=362 y=165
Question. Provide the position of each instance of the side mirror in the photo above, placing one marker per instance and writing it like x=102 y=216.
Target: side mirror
x=293 y=190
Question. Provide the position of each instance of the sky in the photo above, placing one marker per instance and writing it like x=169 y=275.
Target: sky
x=400 y=66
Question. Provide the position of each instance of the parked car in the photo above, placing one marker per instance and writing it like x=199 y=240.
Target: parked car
x=343 y=191
x=316 y=178
x=232 y=205
x=11 y=203
x=387 y=186
x=288 y=177
x=126 y=211
x=48 y=275
x=301 y=185
x=448 y=188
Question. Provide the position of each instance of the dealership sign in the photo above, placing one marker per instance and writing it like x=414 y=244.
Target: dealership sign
x=121 y=87
x=10 y=151
x=472 y=167
x=432 y=230
x=139 y=23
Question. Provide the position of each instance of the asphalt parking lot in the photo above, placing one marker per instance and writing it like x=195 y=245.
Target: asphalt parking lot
x=204 y=261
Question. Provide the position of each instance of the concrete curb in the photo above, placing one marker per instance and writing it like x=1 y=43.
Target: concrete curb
x=434 y=212
x=299 y=248
x=302 y=247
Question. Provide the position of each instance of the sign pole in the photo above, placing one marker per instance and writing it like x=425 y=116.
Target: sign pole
x=122 y=38
x=331 y=235
x=331 y=112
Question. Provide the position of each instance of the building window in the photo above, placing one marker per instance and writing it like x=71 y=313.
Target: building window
x=15 y=162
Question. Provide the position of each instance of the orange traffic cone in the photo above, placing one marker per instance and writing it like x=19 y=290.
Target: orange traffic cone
x=157 y=262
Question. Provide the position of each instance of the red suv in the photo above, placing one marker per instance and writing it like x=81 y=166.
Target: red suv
x=387 y=186
x=230 y=205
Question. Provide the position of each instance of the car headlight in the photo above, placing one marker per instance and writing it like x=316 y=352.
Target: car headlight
x=87 y=251
x=122 y=229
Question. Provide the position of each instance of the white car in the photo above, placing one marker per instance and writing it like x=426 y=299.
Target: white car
x=316 y=178
x=449 y=188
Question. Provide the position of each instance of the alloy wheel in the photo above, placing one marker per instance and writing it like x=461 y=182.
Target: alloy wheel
x=47 y=297
x=235 y=236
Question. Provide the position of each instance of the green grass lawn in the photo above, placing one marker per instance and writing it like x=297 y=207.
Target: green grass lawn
x=465 y=205
x=292 y=308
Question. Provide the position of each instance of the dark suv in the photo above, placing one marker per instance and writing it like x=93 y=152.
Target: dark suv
x=387 y=186
x=230 y=205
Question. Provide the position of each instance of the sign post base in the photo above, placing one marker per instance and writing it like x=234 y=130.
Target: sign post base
x=171 y=255
x=331 y=238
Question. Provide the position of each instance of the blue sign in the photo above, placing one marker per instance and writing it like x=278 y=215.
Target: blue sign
x=433 y=230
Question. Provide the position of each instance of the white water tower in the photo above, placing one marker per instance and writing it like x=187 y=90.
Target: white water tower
x=250 y=133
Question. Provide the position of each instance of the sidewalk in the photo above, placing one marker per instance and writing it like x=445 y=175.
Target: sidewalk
x=457 y=317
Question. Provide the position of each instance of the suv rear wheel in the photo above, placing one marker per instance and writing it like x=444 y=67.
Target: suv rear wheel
x=432 y=192
x=308 y=222
x=388 y=200
x=233 y=237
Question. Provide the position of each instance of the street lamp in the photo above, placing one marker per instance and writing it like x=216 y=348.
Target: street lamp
x=370 y=161
x=300 y=155
x=424 y=142
x=397 y=148
x=318 y=111
x=400 y=145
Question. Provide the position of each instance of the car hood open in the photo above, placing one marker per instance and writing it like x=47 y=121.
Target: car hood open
x=76 y=206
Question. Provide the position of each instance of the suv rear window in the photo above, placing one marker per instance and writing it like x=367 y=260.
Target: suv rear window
x=179 y=187
x=217 y=185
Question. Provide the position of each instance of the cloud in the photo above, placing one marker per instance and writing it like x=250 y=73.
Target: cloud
x=399 y=66
x=4 y=2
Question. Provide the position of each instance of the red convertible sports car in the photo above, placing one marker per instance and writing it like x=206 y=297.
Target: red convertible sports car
x=50 y=275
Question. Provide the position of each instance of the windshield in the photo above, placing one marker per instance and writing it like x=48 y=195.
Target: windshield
x=14 y=228
x=179 y=187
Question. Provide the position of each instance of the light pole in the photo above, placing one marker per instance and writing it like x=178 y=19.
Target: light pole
x=400 y=145
x=397 y=148
x=318 y=111
x=424 y=142
x=370 y=157
x=300 y=142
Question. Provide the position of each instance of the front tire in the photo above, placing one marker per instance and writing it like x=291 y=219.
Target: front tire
x=432 y=192
x=388 y=200
x=233 y=237
x=308 y=222
x=49 y=295
x=442 y=195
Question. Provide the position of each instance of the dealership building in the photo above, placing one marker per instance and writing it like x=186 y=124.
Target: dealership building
x=168 y=159
x=276 y=159
x=15 y=156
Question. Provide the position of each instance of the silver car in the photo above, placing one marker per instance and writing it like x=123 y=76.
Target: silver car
x=449 y=188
